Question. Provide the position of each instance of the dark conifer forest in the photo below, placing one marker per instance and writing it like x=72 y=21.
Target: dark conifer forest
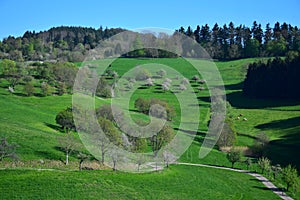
x=278 y=78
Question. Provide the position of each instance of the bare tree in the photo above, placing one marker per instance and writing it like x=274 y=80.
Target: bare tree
x=115 y=157
x=7 y=150
x=165 y=86
x=103 y=143
x=185 y=81
x=168 y=157
x=182 y=87
x=82 y=157
x=140 y=160
x=68 y=143
x=149 y=82
x=161 y=73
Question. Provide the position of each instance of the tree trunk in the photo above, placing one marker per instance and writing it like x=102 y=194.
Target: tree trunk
x=80 y=165
x=102 y=158
x=67 y=158
x=232 y=164
x=115 y=167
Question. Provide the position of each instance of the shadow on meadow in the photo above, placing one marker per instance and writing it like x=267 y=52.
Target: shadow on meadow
x=236 y=86
x=54 y=127
x=286 y=149
x=280 y=124
x=49 y=155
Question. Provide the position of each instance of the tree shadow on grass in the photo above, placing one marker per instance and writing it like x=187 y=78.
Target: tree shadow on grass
x=239 y=100
x=186 y=131
x=205 y=99
x=20 y=94
x=143 y=87
x=39 y=95
x=254 y=179
x=280 y=124
x=134 y=110
x=47 y=155
x=286 y=149
x=158 y=91
x=265 y=188
x=55 y=127
x=236 y=86
x=199 y=139
x=246 y=135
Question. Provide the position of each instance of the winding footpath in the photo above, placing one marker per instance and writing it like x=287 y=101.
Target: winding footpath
x=261 y=178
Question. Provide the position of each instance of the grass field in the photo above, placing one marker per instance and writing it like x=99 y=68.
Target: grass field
x=178 y=182
x=30 y=122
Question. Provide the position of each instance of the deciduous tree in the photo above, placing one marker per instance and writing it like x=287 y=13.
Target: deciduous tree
x=233 y=156
x=290 y=177
x=65 y=119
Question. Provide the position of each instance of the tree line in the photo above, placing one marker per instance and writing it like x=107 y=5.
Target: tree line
x=234 y=42
x=225 y=42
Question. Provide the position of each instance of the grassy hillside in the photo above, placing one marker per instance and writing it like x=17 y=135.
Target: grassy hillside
x=179 y=182
x=30 y=122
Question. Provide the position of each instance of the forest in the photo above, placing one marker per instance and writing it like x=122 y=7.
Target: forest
x=227 y=42
x=278 y=78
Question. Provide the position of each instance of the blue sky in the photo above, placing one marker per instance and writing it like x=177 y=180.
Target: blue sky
x=19 y=16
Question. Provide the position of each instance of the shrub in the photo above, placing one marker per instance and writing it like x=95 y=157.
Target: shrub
x=290 y=177
x=45 y=88
x=161 y=73
x=264 y=164
x=142 y=74
x=29 y=89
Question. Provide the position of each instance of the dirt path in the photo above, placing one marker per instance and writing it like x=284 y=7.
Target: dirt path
x=261 y=178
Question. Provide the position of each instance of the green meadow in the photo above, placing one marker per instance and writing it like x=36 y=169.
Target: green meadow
x=30 y=123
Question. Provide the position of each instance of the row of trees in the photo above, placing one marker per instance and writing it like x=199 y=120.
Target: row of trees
x=234 y=42
x=278 y=78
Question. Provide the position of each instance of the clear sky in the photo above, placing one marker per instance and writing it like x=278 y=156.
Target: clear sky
x=19 y=16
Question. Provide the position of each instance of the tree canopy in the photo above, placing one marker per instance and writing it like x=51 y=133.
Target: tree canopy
x=221 y=42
